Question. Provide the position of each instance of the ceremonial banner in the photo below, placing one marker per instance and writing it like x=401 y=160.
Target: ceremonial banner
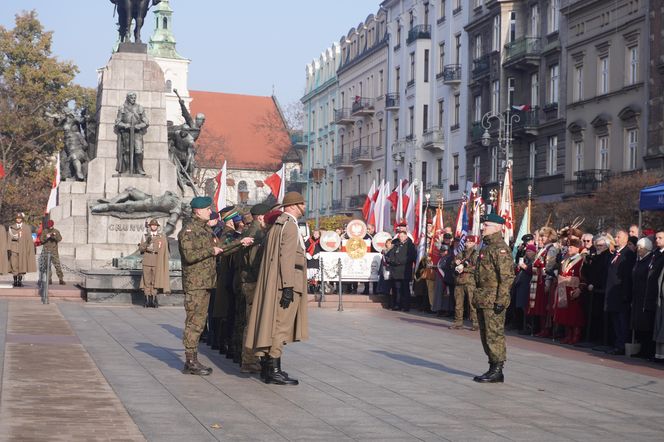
x=362 y=269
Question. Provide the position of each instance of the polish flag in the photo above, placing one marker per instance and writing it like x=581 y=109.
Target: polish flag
x=53 y=197
x=220 y=193
x=462 y=220
x=276 y=183
x=506 y=206
x=411 y=208
x=368 y=202
x=394 y=197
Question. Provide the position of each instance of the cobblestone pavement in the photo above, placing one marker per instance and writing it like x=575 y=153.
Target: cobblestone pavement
x=364 y=375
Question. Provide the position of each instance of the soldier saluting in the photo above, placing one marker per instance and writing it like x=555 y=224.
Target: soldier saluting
x=494 y=273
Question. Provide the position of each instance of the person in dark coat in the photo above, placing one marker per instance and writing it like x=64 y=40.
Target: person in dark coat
x=652 y=287
x=619 y=291
x=521 y=286
x=594 y=271
x=643 y=319
x=401 y=263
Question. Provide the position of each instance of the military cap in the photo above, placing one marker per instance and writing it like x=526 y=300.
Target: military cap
x=259 y=209
x=153 y=222
x=527 y=237
x=226 y=210
x=50 y=224
x=201 y=202
x=292 y=199
x=20 y=215
x=531 y=247
x=493 y=218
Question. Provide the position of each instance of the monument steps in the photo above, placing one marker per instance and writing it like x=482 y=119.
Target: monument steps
x=55 y=293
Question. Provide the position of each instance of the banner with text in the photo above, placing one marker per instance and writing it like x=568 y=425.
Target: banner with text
x=361 y=269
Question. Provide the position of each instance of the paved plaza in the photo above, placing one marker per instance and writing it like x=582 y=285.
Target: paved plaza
x=75 y=371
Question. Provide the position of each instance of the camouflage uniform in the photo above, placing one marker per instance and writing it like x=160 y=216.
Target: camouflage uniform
x=224 y=310
x=494 y=274
x=196 y=244
x=50 y=245
x=464 y=286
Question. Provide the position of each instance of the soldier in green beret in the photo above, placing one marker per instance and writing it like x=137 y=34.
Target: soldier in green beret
x=494 y=273
x=198 y=248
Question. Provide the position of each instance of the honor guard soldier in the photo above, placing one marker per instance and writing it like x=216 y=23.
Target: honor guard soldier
x=494 y=273
x=21 y=250
x=49 y=238
x=154 y=248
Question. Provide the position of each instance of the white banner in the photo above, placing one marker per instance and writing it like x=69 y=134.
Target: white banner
x=362 y=269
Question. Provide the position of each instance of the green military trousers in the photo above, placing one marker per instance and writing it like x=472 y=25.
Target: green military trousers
x=492 y=332
x=247 y=296
x=196 y=309
x=461 y=292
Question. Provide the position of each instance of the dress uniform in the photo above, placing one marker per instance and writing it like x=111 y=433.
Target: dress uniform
x=49 y=238
x=154 y=248
x=21 y=250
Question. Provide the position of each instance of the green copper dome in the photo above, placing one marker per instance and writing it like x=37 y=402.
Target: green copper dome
x=162 y=42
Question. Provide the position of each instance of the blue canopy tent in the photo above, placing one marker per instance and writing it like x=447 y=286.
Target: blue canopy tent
x=651 y=198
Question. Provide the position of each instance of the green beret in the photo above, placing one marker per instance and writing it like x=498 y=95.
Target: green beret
x=493 y=218
x=201 y=202
x=259 y=209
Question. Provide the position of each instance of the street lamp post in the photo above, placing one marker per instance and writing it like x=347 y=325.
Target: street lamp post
x=505 y=122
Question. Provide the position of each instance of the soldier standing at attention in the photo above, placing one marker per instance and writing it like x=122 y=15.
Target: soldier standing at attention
x=494 y=274
x=49 y=238
x=154 y=248
x=21 y=250
x=464 y=283
x=279 y=312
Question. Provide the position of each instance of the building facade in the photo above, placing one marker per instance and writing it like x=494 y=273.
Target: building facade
x=606 y=44
x=654 y=158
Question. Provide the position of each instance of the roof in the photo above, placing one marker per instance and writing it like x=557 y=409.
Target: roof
x=248 y=131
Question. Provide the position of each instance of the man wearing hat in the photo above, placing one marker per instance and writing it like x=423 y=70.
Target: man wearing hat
x=49 y=238
x=279 y=311
x=464 y=283
x=494 y=274
x=21 y=250
x=154 y=248
x=198 y=247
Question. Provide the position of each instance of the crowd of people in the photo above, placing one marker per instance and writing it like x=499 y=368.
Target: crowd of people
x=599 y=290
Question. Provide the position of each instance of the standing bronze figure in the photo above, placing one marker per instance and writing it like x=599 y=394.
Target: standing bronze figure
x=130 y=125
x=129 y=10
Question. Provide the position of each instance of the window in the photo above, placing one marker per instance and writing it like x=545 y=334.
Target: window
x=477 y=108
x=603 y=72
x=603 y=152
x=397 y=78
x=552 y=156
x=411 y=74
x=553 y=15
x=378 y=175
x=477 y=3
x=380 y=133
x=381 y=91
x=477 y=53
x=632 y=147
x=534 y=89
x=633 y=65
x=426 y=14
x=578 y=83
x=411 y=20
x=395 y=176
x=426 y=65
x=554 y=83
x=396 y=128
x=512 y=34
x=441 y=112
x=411 y=121
x=242 y=192
x=164 y=23
x=476 y=170
x=455 y=169
x=398 y=35
x=441 y=11
x=457 y=45
x=457 y=110
x=424 y=173
x=441 y=57
x=534 y=20
x=532 y=154
x=496 y=33
x=425 y=118
x=494 y=164
x=578 y=156
x=439 y=171
x=169 y=86
x=511 y=87
x=495 y=96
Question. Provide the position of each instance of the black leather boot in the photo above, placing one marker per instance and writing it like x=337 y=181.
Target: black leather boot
x=264 y=366
x=15 y=283
x=278 y=362
x=495 y=375
x=155 y=302
x=20 y=280
x=275 y=375
x=192 y=366
x=485 y=374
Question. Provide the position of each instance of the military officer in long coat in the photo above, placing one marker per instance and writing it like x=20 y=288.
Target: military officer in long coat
x=49 y=238
x=21 y=250
x=4 y=260
x=279 y=312
x=154 y=248
x=494 y=273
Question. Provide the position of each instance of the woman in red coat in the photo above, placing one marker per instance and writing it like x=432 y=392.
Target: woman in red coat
x=568 y=311
x=543 y=281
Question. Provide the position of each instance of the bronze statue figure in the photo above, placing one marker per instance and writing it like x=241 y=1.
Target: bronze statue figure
x=130 y=125
x=182 y=144
x=129 y=10
x=74 y=156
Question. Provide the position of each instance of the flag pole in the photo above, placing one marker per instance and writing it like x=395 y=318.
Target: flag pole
x=530 y=210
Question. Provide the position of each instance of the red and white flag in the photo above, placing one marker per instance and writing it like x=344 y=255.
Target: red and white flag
x=277 y=184
x=53 y=197
x=367 y=208
x=506 y=206
x=220 y=193
x=408 y=202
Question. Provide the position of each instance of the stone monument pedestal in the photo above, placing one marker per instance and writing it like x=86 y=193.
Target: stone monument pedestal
x=92 y=240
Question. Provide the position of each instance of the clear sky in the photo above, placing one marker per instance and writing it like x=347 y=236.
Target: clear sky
x=235 y=46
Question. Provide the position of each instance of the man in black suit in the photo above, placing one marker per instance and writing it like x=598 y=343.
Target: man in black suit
x=618 y=298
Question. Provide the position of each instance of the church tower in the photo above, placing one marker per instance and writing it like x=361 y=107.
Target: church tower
x=175 y=67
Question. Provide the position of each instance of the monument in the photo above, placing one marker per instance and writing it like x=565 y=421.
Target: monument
x=129 y=175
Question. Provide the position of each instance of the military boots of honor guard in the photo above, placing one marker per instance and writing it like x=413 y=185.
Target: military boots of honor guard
x=274 y=375
x=192 y=366
x=494 y=375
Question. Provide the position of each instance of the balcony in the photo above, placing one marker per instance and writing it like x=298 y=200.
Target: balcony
x=342 y=161
x=481 y=67
x=401 y=146
x=418 y=32
x=357 y=201
x=433 y=140
x=336 y=205
x=392 y=101
x=362 y=155
x=317 y=175
x=298 y=177
x=528 y=121
x=589 y=180
x=476 y=131
x=343 y=116
x=362 y=107
x=523 y=53
x=299 y=140
x=452 y=74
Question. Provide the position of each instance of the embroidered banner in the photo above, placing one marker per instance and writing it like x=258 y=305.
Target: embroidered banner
x=362 y=269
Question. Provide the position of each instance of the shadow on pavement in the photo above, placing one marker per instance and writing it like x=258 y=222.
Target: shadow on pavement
x=170 y=356
x=418 y=362
x=175 y=331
